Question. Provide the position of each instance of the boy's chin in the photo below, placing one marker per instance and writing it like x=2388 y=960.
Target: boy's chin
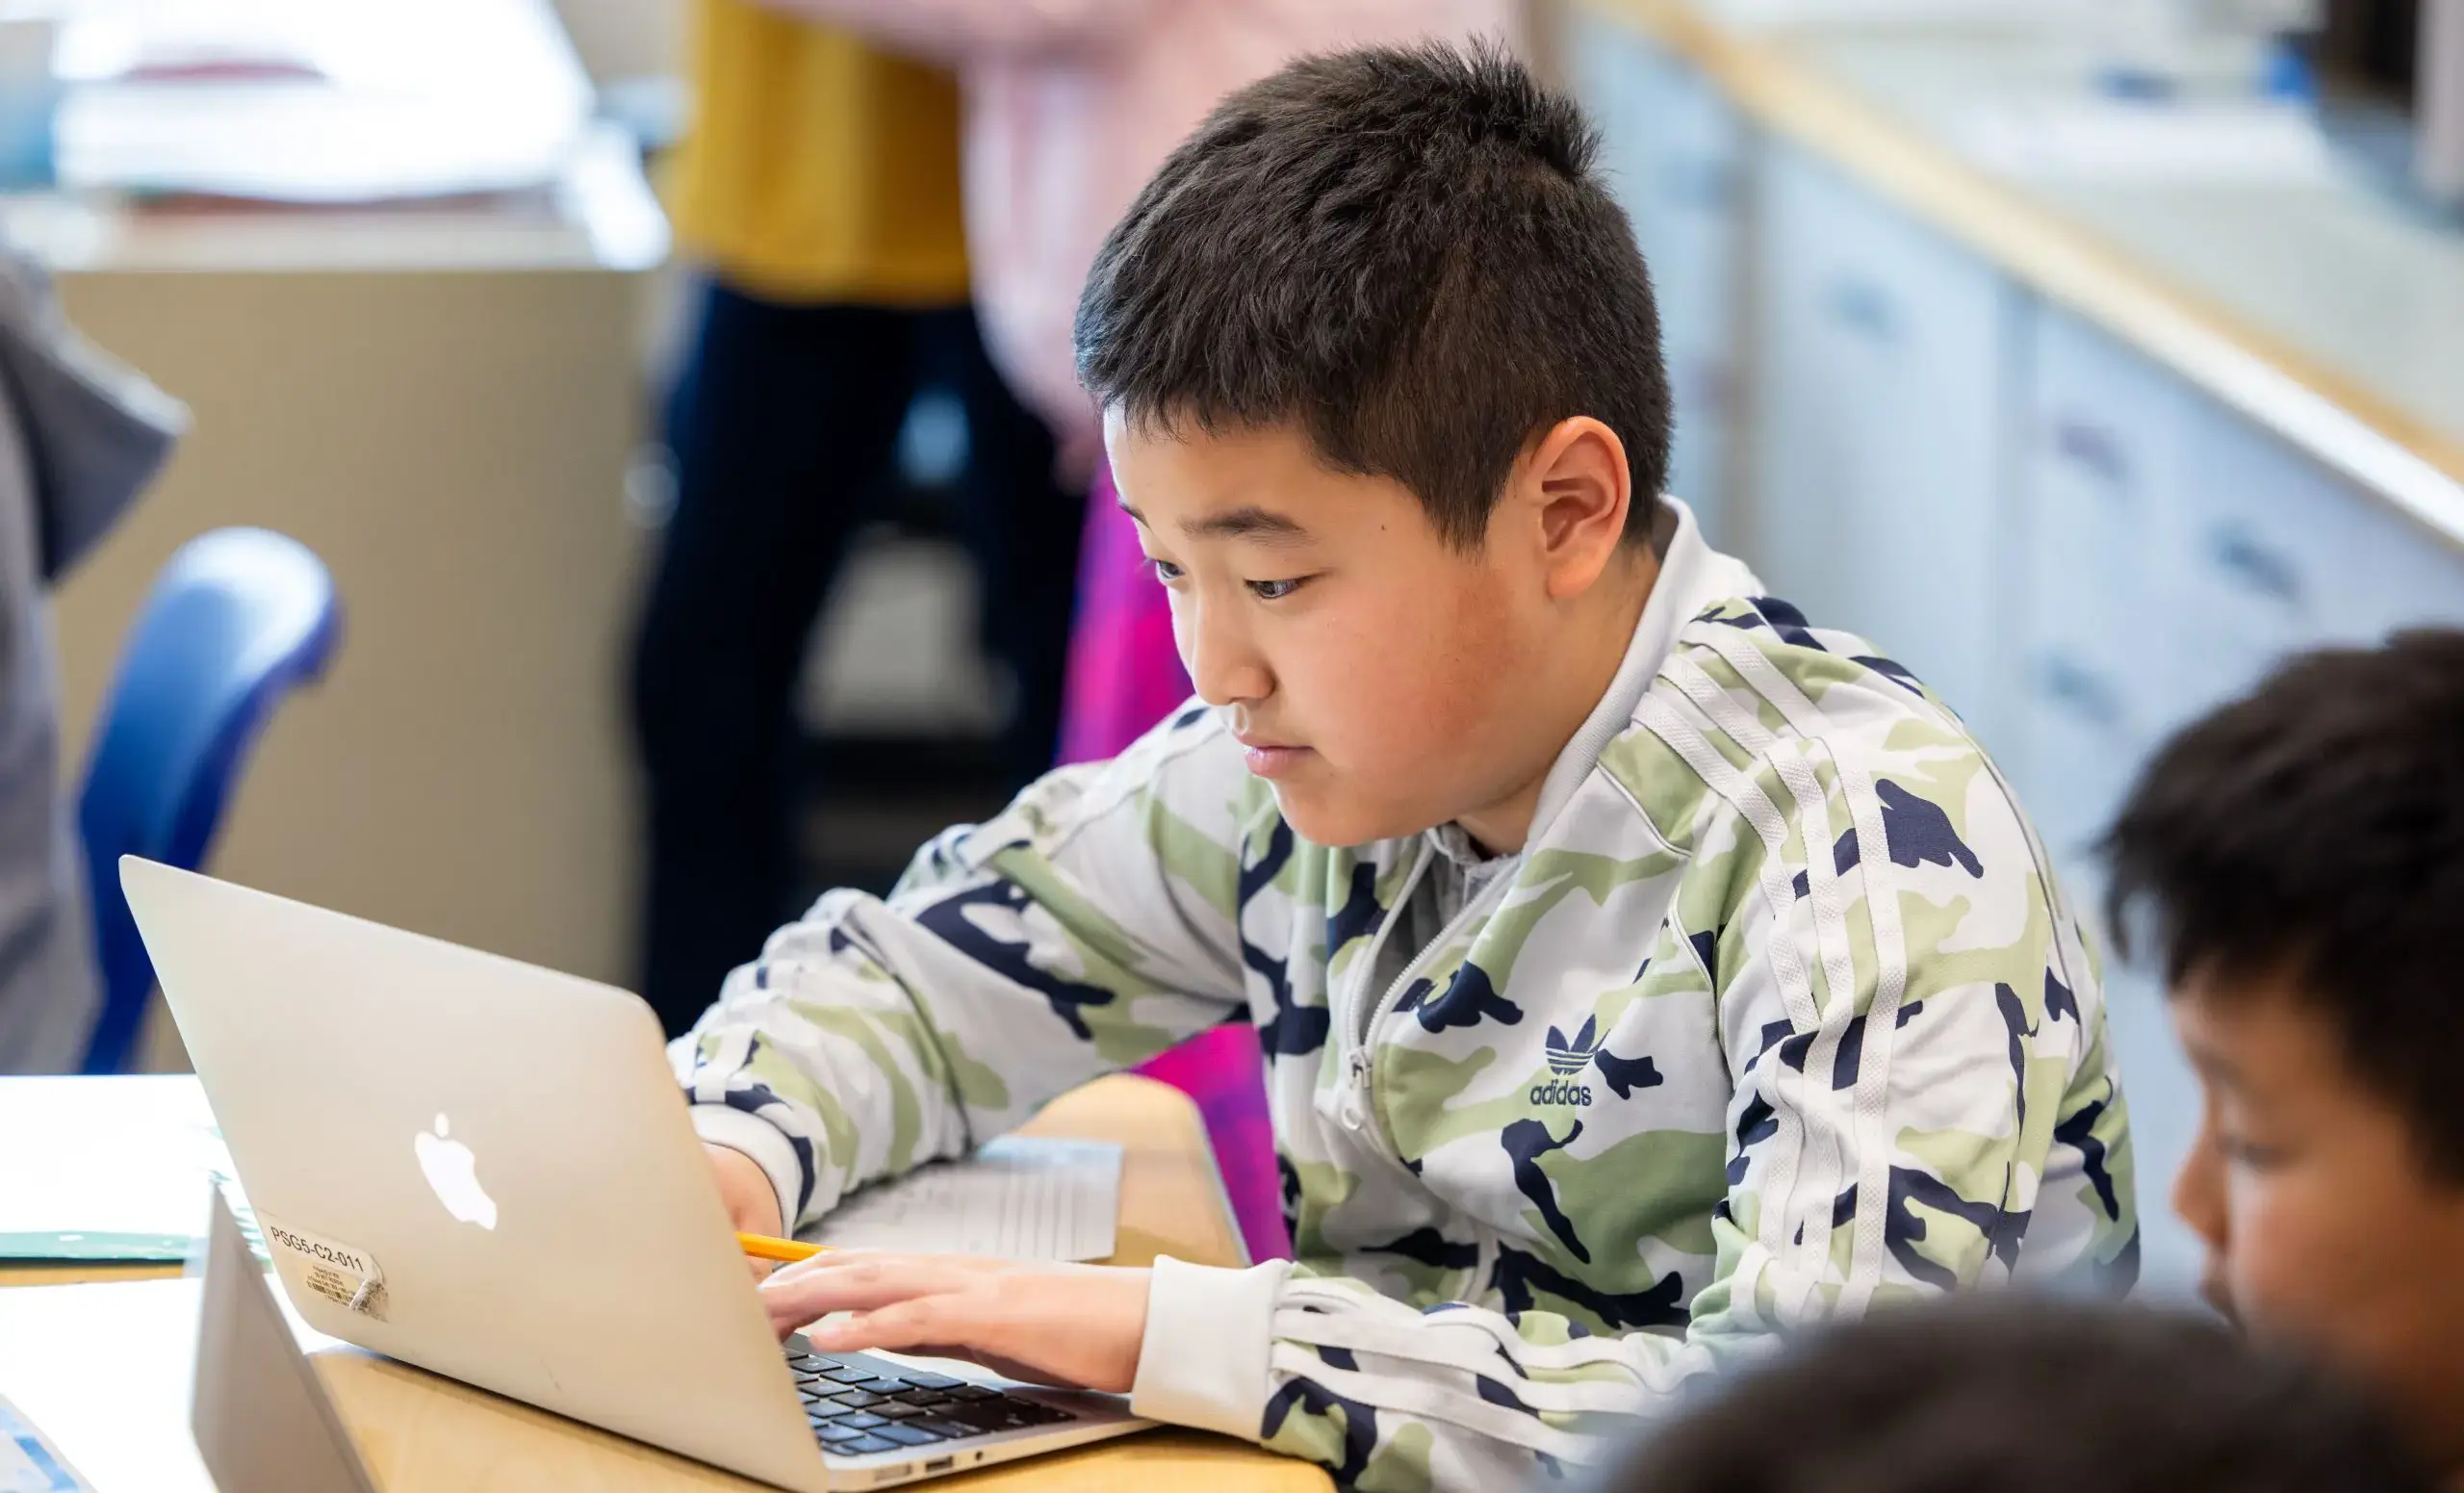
x=1324 y=818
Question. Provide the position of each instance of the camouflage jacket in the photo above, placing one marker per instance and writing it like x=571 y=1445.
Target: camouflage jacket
x=1777 y=1015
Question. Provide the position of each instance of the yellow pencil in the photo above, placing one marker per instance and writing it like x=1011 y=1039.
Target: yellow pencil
x=761 y=1246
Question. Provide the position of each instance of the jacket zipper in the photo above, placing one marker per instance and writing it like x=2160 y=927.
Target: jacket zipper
x=1359 y=1106
x=1351 y=1108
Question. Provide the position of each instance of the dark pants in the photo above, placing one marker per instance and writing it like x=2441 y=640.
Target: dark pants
x=785 y=423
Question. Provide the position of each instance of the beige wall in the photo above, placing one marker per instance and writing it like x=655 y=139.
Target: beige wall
x=454 y=447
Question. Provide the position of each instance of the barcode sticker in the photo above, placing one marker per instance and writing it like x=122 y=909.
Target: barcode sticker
x=345 y=1274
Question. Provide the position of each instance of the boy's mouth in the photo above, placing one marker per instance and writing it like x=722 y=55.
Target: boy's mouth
x=1271 y=759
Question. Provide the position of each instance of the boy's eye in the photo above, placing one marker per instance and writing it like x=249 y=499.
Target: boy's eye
x=1165 y=570
x=2249 y=1155
x=1276 y=590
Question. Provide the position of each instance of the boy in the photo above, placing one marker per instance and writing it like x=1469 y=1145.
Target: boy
x=2027 y=1397
x=2303 y=850
x=1641 y=969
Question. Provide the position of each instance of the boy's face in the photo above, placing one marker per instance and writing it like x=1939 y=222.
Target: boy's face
x=1382 y=680
x=2324 y=1224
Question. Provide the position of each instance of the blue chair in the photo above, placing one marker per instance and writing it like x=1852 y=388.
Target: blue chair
x=237 y=620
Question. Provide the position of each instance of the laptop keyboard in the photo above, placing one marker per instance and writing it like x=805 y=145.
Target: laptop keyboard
x=859 y=1403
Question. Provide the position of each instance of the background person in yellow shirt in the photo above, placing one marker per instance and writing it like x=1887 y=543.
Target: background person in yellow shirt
x=819 y=185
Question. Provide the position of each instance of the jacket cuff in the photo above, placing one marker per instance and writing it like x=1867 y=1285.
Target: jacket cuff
x=1203 y=1361
x=719 y=1125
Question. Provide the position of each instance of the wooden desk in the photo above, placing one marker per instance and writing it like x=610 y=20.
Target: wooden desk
x=105 y=1372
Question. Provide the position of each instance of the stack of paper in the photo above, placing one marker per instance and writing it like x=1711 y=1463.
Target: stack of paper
x=1019 y=1197
x=106 y=1169
x=317 y=100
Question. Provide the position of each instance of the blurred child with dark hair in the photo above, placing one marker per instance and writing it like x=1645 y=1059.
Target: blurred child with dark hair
x=2014 y=1396
x=2303 y=851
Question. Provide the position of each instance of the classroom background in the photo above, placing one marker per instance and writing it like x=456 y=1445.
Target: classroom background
x=2117 y=343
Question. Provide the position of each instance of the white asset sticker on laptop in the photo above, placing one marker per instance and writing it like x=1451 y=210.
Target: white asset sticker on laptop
x=29 y=1463
x=345 y=1274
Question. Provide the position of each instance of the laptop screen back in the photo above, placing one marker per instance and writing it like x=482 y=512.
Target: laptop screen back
x=260 y=1414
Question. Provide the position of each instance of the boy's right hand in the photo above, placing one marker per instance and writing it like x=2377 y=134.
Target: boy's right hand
x=752 y=1203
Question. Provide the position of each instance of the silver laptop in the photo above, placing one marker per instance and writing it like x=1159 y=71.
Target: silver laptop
x=259 y=1412
x=486 y=1168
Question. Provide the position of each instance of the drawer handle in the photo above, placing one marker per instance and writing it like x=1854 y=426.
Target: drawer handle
x=1865 y=308
x=2094 y=448
x=2081 y=691
x=2253 y=566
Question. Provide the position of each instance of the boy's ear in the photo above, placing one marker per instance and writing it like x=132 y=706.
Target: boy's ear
x=1576 y=478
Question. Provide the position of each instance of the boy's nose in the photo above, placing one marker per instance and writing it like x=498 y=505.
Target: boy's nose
x=2199 y=1190
x=1223 y=666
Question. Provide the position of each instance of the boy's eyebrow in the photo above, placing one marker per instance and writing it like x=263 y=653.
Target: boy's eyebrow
x=1247 y=521
x=2212 y=1064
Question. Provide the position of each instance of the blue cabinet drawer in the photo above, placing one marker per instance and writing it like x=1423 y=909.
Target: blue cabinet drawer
x=2401 y=575
x=2102 y=435
x=2261 y=547
x=1881 y=355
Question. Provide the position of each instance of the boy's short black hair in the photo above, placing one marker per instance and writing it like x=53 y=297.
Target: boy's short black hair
x=1407 y=252
x=2017 y=1396
x=2314 y=831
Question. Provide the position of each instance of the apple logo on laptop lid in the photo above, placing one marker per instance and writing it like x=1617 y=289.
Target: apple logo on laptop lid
x=452 y=1174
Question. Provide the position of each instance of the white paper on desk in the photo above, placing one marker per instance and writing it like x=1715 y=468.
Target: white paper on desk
x=1020 y=1197
x=106 y=1156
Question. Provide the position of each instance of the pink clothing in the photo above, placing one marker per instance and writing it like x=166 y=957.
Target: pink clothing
x=1124 y=670
x=1072 y=105
x=1225 y=1073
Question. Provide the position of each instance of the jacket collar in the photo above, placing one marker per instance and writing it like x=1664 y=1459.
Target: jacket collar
x=1692 y=577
